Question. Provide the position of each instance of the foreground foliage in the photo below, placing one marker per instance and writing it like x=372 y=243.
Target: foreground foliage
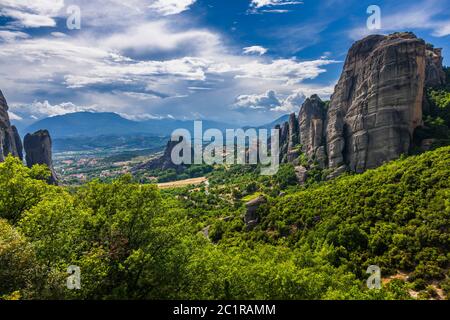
x=133 y=241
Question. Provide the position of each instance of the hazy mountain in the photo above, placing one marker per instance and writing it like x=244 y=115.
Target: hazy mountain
x=90 y=124
x=93 y=124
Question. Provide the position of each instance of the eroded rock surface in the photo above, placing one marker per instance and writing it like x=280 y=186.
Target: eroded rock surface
x=10 y=142
x=38 y=149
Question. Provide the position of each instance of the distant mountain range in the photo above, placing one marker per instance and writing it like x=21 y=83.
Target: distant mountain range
x=93 y=124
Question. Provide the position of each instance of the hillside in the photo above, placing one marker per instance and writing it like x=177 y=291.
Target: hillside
x=396 y=217
x=310 y=243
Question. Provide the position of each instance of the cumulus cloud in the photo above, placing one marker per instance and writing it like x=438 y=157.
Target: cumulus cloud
x=142 y=64
x=11 y=36
x=32 y=14
x=43 y=109
x=270 y=101
x=267 y=100
x=292 y=103
x=281 y=103
x=255 y=50
x=287 y=70
x=157 y=36
x=170 y=7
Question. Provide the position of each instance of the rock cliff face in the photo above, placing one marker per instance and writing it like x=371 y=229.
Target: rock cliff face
x=38 y=149
x=376 y=106
x=434 y=73
x=312 y=119
x=377 y=103
x=10 y=142
x=164 y=162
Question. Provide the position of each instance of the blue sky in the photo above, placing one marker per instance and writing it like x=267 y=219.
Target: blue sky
x=236 y=61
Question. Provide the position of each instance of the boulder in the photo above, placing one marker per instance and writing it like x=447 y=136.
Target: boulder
x=301 y=173
x=251 y=217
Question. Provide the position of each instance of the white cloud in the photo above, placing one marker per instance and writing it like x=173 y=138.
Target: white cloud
x=267 y=100
x=271 y=3
x=157 y=36
x=30 y=13
x=286 y=70
x=288 y=102
x=442 y=29
x=292 y=103
x=270 y=6
x=170 y=7
x=255 y=50
x=39 y=110
x=140 y=65
x=185 y=68
x=13 y=116
x=11 y=36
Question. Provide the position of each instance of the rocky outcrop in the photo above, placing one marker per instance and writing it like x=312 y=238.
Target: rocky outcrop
x=301 y=173
x=312 y=119
x=375 y=109
x=164 y=162
x=434 y=73
x=18 y=142
x=38 y=149
x=251 y=217
x=377 y=103
x=10 y=142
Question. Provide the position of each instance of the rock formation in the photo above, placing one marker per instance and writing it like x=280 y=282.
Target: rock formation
x=10 y=142
x=38 y=149
x=164 y=162
x=434 y=73
x=251 y=217
x=377 y=105
x=312 y=129
x=18 y=142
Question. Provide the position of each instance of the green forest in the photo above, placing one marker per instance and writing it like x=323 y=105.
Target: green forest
x=133 y=241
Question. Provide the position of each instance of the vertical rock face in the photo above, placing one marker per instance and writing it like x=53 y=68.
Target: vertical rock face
x=165 y=161
x=377 y=102
x=375 y=109
x=435 y=75
x=293 y=138
x=312 y=129
x=18 y=142
x=10 y=142
x=38 y=149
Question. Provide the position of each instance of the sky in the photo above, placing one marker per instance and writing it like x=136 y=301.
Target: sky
x=236 y=61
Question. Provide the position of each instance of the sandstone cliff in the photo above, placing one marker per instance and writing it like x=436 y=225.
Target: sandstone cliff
x=376 y=106
x=10 y=142
x=312 y=119
x=38 y=149
x=164 y=162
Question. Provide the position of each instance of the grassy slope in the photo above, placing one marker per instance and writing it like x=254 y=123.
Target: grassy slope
x=396 y=216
